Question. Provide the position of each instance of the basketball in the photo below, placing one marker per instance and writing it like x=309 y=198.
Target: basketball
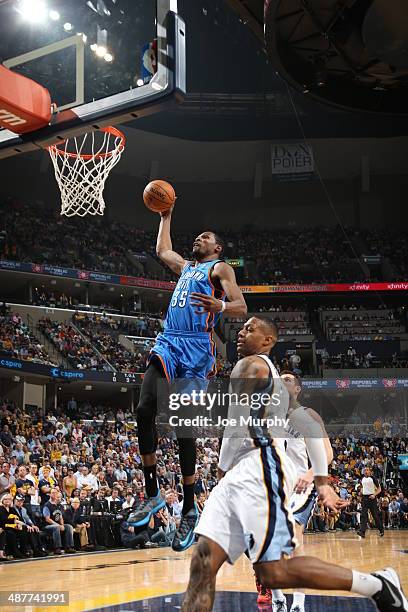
x=159 y=196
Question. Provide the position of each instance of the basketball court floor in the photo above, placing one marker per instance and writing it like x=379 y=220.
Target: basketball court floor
x=155 y=580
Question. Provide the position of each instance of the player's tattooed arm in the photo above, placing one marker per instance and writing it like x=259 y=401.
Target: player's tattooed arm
x=249 y=375
x=164 y=247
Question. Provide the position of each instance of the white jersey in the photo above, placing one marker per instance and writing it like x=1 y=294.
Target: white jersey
x=301 y=504
x=296 y=448
x=239 y=438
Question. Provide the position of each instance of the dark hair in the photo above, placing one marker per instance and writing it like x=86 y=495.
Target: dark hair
x=218 y=240
x=269 y=324
x=295 y=376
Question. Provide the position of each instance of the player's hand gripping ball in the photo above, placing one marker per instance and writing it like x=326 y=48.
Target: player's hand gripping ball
x=159 y=196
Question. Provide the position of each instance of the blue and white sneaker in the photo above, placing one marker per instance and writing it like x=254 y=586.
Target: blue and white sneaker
x=144 y=511
x=184 y=536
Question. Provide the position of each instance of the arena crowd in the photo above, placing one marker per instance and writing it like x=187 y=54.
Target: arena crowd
x=70 y=479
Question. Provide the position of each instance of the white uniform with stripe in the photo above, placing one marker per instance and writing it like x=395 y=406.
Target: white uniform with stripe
x=301 y=504
x=249 y=509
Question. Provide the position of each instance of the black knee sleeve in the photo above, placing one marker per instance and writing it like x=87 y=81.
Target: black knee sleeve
x=188 y=454
x=147 y=409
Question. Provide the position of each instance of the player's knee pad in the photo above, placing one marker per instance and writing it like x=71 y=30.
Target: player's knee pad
x=188 y=454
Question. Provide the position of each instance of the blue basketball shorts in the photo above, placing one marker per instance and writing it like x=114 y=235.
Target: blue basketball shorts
x=185 y=354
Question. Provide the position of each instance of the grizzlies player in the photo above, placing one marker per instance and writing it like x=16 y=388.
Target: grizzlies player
x=185 y=350
x=249 y=509
x=304 y=497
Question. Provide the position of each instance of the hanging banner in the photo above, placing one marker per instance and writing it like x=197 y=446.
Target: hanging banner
x=328 y=288
x=292 y=162
x=114 y=279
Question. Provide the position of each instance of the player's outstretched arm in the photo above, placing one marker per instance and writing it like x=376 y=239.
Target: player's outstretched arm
x=329 y=449
x=236 y=305
x=306 y=479
x=164 y=247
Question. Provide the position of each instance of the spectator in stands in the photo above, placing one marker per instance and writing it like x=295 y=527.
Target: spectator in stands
x=174 y=507
x=99 y=503
x=115 y=501
x=319 y=518
x=33 y=508
x=403 y=512
x=45 y=484
x=7 y=480
x=5 y=437
x=83 y=479
x=34 y=545
x=24 y=486
x=74 y=517
x=294 y=361
x=12 y=526
x=69 y=483
x=129 y=500
x=54 y=519
x=394 y=512
x=120 y=473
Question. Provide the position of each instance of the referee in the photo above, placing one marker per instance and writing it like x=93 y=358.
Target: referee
x=371 y=489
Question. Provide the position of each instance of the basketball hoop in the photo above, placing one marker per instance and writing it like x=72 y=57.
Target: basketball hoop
x=81 y=175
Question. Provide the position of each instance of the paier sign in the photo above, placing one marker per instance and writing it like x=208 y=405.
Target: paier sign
x=292 y=162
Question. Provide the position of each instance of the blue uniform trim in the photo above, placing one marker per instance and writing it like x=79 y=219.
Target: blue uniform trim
x=280 y=533
x=302 y=516
x=282 y=494
x=188 y=334
x=271 y=502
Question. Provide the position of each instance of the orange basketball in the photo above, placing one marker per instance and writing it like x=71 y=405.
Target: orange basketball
x=159 y=196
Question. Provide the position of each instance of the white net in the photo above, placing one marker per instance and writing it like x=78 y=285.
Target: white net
x=82 y=165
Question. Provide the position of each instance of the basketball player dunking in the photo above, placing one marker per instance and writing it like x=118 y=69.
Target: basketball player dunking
x=249 y=509
x=185 y=350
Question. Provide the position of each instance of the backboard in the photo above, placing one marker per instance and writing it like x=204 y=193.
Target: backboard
x=103 y=61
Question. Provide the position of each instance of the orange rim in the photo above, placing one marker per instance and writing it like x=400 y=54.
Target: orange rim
x=109 y=130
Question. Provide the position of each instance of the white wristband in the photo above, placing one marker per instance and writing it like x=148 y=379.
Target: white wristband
x=223 y=306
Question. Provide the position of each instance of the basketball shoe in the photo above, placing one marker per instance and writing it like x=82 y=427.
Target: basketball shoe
x=391 y=597
x=279 y=605
x=184 y=536
x=144 y=511
x=264 y=594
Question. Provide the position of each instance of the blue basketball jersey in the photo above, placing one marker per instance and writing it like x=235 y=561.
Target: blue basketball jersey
x=195 y=278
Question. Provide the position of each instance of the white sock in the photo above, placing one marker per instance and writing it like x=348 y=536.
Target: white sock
x=298 y=600
x=365 y=584
x=278 y=595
